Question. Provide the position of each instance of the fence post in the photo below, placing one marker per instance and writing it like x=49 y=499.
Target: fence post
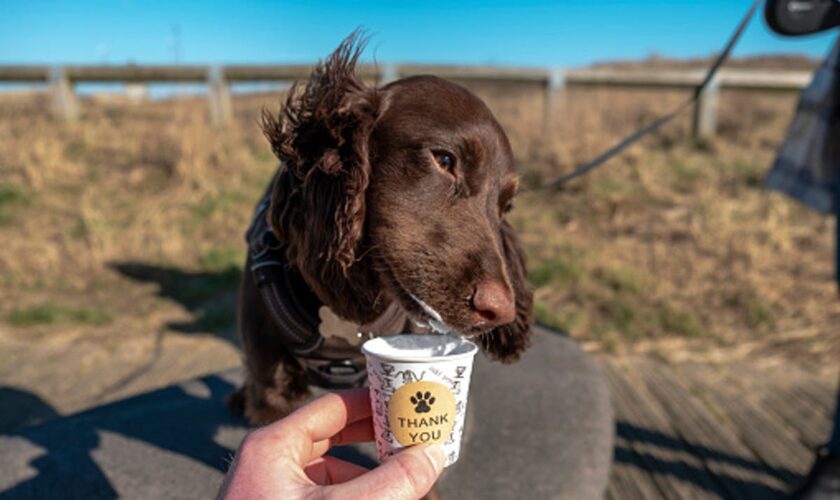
x=553 y=87
x=218 y=92
x=390 y=72
x=137 y=92
x=64 y=103
x=705 y=111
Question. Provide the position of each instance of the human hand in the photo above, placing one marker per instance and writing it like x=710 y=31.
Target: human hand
x=287 y=459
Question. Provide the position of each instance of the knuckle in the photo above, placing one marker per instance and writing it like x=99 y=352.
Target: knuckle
x=251 y=443
x=256 y=441
x=417 y=472
x=252 y=439
x=338 y=439
x=318 y=494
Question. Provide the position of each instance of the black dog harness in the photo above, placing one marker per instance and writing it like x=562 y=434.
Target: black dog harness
x=307 y=327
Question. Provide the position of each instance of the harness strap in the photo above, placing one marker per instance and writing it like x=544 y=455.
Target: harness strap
x=271 y=276
x=294 y=309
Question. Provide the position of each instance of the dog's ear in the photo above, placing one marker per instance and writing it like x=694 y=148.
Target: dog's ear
x=507 y=343
x=321 y=137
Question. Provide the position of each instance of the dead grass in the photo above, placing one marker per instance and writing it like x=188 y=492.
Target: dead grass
x=673 y=240
x=677 y=239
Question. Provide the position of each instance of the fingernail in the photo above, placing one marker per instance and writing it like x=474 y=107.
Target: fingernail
x=435 y=454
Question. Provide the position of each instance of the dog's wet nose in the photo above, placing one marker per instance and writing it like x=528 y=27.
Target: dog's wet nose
x=493 y=304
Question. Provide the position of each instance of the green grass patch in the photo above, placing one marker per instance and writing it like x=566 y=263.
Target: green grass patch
x=79 y=230
x=620 y=315
x=757 y=315
x=220 y=258
x=700 y=144
x=560 y=269
x=612 y=186
x=10 y=193
x=50 y=313
x=544 y=316
x=687 y=176
x=747 y=173
x=754 y=312
x=11 y=196
x=263 y=155
x=75 y=150
x=621 y=279
x=678 y=323
x=531 y=177
x=223 y=202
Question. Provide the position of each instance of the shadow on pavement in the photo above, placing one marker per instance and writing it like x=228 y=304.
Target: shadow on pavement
x=184 y=422
x=184 y=429
x=724 y=484
x=70 y=456
x=22 y=409
x=210 y=296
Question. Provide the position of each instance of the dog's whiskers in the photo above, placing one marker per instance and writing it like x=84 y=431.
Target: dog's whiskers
x=371 y=248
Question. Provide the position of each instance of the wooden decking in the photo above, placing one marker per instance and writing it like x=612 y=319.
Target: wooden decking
x=714 y=431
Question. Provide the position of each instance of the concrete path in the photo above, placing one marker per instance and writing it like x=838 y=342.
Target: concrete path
x=541 y=428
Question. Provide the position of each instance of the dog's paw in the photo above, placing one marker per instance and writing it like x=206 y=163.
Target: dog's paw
x=422 y=402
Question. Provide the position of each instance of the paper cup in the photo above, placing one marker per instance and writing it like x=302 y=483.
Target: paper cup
x=418 y=391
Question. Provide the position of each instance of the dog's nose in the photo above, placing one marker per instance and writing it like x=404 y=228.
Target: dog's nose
x=493 y=304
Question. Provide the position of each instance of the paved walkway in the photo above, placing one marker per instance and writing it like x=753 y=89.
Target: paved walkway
x=542 y=427
x=714 y=431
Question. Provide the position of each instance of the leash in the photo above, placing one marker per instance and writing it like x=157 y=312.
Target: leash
x=633 y=138
x=297 y=326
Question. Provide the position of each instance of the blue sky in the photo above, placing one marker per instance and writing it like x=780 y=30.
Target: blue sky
x=532 y=33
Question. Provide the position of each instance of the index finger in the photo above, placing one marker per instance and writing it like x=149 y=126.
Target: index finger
x=328 y=415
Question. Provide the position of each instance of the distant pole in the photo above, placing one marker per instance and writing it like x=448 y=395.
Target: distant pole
x=218 y=92
x=553 y=87
x=137 y=92
x=704 y=124
x=64 y=103
x=176 y=43
x=175 y=47
x=390 y=72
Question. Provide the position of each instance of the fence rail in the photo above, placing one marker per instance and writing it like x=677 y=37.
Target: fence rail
x=552 y=81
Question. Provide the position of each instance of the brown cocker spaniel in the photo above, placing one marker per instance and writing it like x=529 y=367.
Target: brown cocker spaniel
x=390 y=198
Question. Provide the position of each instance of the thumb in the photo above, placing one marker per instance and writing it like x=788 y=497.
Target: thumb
x=408 y=475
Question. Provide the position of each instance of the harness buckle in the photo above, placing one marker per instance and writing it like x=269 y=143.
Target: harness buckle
x=264 y=244
x=339 y=374
x=340 y=368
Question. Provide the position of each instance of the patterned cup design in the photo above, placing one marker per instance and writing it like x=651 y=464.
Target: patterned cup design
x=419 y=399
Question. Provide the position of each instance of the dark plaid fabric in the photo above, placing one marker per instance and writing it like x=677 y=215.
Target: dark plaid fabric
x=808 y=162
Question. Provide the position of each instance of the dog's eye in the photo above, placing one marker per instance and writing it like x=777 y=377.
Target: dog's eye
x=507 y=207
x=445 y=160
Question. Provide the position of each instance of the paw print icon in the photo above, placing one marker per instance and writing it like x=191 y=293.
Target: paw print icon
x=422 y=402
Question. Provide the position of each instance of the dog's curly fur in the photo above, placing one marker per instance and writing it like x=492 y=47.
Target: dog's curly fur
x=369 y=217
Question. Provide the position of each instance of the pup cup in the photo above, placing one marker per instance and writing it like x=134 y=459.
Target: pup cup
x=418 y=391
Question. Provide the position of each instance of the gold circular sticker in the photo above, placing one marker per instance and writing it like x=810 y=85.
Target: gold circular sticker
x=422 y=412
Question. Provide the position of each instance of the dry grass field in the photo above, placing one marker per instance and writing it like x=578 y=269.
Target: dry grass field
x=123 y=236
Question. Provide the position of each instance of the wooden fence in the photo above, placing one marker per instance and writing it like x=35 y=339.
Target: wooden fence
x=61 y=80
